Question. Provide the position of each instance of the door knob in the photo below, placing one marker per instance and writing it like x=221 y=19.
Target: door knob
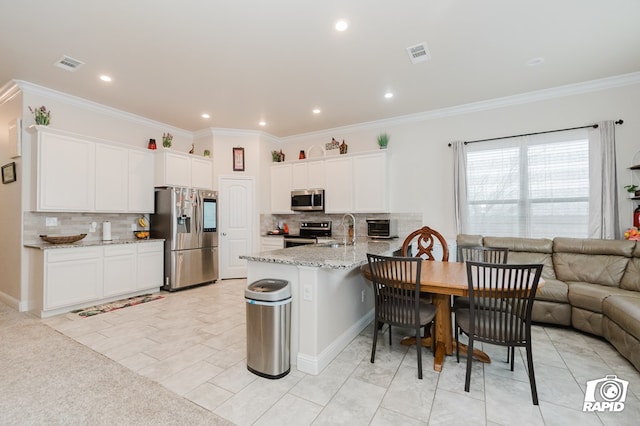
x=224 y=234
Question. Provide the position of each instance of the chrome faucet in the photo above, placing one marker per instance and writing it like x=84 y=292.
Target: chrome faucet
x=344 y=229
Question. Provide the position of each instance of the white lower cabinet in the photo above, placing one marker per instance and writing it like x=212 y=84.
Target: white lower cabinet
x=150 y=263
x=72 y=276
x=119 y=269
x=271 y=243
x=82 y=276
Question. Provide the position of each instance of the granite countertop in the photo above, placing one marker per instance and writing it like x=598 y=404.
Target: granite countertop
x=45 y=246
x=325 y=256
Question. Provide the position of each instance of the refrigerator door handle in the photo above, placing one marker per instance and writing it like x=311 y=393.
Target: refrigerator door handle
x=199 y=215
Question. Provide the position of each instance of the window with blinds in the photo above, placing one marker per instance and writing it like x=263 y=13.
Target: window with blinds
x=533 y=186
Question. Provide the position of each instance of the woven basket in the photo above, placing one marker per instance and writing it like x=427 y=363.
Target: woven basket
x=62 y=239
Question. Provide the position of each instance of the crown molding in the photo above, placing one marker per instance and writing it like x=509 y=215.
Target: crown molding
x=523 y=98
x=9 y=91
x=85 y=104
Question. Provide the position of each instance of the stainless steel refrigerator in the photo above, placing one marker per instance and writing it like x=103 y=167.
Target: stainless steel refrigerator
x=187 y=219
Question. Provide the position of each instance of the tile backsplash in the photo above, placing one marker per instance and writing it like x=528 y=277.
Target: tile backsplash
x=407 y=222
x=79 y=223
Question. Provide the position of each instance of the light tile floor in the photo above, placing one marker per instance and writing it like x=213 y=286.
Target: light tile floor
x=193 y=343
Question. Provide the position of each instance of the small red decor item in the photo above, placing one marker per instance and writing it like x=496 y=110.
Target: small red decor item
x=632 y=234
x=152 y=144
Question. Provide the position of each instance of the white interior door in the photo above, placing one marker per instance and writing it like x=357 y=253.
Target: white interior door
x=235 y=199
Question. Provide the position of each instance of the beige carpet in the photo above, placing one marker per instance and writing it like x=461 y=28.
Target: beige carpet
x=47 y=378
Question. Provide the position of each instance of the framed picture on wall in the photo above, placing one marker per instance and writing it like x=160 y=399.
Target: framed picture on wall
x=238 y=159
x=9 y=172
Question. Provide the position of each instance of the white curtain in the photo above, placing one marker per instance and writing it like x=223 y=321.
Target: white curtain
x=603 y=183
x=460 y=184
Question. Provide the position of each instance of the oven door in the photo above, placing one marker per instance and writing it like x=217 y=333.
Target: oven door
x=299 y=241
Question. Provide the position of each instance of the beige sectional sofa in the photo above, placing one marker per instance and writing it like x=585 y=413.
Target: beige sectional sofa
x=591 y=285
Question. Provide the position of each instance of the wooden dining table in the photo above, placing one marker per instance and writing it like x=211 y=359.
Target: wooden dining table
x=443 y=280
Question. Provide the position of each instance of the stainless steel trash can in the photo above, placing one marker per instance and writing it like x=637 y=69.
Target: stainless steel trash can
x=268 y=327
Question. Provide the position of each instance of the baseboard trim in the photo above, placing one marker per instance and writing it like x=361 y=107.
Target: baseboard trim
x=315 y=364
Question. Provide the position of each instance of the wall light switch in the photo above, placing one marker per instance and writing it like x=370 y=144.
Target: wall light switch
x=51 y=221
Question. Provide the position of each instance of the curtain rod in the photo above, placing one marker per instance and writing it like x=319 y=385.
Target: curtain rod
x=595 y=126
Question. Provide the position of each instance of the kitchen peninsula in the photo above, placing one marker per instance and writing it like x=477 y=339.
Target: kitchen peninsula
x=331 y=301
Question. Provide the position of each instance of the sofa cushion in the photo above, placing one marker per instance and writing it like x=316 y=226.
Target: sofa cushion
x=624 y=311
x=590 y=296
x=526 y=250
x=551 y=312
x=624 y=342
x=469 y=240
x=601 y=262
x=631 y=278
x=553 y=291
x=587 y=321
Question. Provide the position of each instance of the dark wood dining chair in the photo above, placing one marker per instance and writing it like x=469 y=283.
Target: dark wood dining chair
x=500 y=301
x=478 y=254
x=485 y=255
x=424 y=240
x=396 y=293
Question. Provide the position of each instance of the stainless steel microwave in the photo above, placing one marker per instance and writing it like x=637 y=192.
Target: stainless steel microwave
x=307 y=200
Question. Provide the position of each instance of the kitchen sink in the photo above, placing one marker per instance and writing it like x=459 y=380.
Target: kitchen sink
x=331 y=245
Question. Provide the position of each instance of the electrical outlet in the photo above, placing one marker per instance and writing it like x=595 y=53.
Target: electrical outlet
x=51 y=221
x=362 y=296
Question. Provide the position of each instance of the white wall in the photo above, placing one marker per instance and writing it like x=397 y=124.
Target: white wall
x=90 y=119
x=421 y=163
x=10 y=210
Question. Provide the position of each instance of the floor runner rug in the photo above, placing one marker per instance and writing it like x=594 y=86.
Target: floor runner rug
x=118 y=304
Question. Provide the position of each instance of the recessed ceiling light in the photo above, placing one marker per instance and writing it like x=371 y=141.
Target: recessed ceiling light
x=105 y=78
x=535 y=61
x=205 y=115
x=316 y=111
x=388 y=95
x=262 y=123
x=342 y=25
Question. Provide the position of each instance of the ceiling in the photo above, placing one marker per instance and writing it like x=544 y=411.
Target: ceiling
x=250 y=60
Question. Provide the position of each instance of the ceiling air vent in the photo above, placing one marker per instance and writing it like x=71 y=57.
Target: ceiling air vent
x=68 y=63
x=418 y=53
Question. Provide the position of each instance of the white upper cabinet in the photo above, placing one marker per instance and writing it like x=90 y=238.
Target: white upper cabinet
x=201 y=173
x=315 y=174
x=281 y=188
x=79 y=174
x=178 y=169
x=112 y=178
x=141 y=182
x=299 y=176
x=172 y=169
x=65 y=173
x=307 y=175
x=353 y=183
x=370 y=187
x=339 y=185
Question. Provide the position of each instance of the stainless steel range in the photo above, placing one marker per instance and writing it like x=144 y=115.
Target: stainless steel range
x=309 y=233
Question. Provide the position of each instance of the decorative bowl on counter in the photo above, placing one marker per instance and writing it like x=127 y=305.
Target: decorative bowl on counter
x=62 y=239
x=141 y=235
